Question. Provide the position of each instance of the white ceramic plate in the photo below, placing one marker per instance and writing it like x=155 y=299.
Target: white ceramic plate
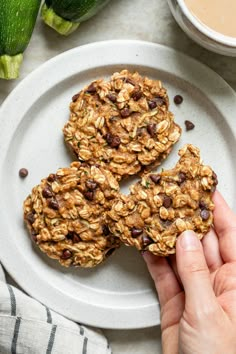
x=118 y=293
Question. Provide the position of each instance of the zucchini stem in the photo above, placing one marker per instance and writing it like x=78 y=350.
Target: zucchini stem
x=10 y=66
x=58 y=23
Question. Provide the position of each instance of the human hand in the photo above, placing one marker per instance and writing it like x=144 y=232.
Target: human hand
x=197 y=289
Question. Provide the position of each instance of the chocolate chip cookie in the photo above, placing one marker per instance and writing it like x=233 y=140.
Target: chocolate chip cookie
x=123 y=124
x=161 y=206
x=65 y=215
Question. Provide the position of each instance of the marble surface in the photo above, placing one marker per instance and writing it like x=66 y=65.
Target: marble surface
x=145 y=20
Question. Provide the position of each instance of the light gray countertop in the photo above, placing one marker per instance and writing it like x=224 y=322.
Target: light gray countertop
x=148 y=20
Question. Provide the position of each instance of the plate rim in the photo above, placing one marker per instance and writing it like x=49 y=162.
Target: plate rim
x=125 y=313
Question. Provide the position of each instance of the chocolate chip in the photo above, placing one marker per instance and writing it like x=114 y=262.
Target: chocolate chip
x=205 y=214
x=52 y=177
x=74 y=237
x=137 y=95
x=66 y=254
x=75 y=97
x=105 y=230
x=109 y=138
x=125 y=112
x=30 y=218
x=214 y=176
x=23 y=172
x=152 y=104
x=135 y=231
x=178 y=99
x=91 y=89
x=182 y=177
x=89 y=195
x=130 y=81
x=202 y=205
x=213 y=188
x=70 y=235
x=189 y=125
x=151 y=128
x=113 y=140
x=155 y=178
x=47 y=192
x=91 y=185
x=167 y=201
x=110 y=252
x=146 y=240
x=53 y=204
x=111 y=97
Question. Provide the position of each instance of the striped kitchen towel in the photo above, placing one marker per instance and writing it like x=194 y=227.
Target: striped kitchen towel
x=29 y=327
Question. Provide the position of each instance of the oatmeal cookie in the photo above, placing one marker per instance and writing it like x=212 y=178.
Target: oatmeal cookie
x=161 y=206
x=123 y=124
x=65 y=215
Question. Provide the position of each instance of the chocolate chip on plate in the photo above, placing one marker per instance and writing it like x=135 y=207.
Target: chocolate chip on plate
x=189 y=125
x=178 y=99
x=135 y=231
x=23 y=172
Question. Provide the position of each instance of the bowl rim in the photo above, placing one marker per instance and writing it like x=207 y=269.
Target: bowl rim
x=207 y=31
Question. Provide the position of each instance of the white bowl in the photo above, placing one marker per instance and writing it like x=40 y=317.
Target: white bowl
x=199 y=32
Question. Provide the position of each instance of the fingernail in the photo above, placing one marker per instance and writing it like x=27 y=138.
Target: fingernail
x=189 y=241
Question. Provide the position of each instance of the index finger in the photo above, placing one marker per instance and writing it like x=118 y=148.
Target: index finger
x=225 y=227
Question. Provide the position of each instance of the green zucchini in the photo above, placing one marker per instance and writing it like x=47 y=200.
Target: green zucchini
x=17 y=21
x=65 y=15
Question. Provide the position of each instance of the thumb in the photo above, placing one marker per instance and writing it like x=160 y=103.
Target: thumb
x=193 y=271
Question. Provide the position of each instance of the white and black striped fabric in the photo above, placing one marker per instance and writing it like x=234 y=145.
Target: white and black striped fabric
x=29 y=327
